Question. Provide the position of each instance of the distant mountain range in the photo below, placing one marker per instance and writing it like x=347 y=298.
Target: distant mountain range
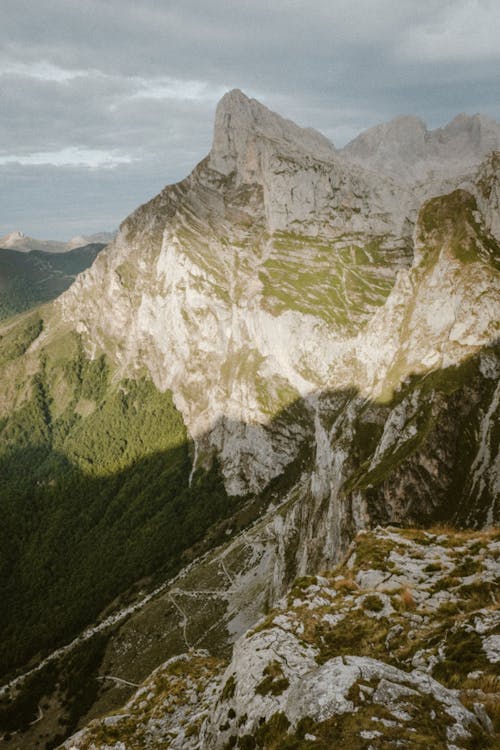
x=17 y=240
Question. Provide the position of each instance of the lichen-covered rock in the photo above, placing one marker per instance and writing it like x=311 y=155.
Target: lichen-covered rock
x=369 y=655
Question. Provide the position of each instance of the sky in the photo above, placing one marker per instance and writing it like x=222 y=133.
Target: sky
x=104 y=102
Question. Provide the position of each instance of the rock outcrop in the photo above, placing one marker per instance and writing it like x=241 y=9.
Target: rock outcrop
x=405 y=149
x=398 y=647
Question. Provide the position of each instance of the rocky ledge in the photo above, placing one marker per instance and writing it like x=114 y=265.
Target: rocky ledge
x=398 y=647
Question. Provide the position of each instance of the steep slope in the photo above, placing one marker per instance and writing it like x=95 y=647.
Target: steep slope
x=33 y=277
x=295 y=349
x=246 y=288
x=398 y=646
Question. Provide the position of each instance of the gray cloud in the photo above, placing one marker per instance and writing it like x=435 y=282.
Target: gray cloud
x=89 y=84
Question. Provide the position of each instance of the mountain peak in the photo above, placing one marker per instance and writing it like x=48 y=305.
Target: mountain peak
x=234 y=95
x=244 y=128
x=406 y=149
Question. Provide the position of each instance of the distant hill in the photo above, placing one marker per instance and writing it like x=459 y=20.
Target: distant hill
x=17 y=240
x=30 y=278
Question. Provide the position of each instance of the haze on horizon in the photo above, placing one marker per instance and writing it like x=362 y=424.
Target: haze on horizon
x=103 y=103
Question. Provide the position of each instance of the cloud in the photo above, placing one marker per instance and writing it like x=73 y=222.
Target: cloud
x=41 y=70
x=70 y=156
x=174 y=88
x=465 y=31
x=133 y=84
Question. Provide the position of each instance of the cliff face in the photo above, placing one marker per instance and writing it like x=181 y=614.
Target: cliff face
x=277 y=270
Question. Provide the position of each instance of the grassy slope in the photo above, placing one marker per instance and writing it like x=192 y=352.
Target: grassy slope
x=94 y=493
x=341 y=281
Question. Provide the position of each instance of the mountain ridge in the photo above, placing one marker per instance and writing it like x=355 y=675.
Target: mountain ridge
x=407 y=150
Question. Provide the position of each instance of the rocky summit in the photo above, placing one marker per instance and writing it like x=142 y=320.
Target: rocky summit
x=293 y=348
x=277 y=273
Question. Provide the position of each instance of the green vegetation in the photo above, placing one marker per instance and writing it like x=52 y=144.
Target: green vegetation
x=452 y=402
x=359 y=634
x=345 y=730
x=450 y=221
x=229 y=688
x=75 y=688
x=28 y=279
x=468 y=567
x=94 y=495
x=164 y=694
x=373 y=553
x=463 y=654
x=16 y=341
x=433 y=567
x=274 y=681
x=373 y=603
x=337 y=280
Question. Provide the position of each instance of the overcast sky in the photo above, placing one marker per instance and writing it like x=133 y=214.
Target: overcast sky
x=103 y=102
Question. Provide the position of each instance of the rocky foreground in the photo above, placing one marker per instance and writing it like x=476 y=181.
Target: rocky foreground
x=398 y=647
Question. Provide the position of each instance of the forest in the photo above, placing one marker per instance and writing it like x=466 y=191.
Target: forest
x=94 y=494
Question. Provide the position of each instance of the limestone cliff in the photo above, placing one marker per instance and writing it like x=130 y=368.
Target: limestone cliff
x=277 y=270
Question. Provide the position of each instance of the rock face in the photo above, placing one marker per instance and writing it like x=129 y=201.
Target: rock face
x=393 y=648
x=247 y=135
x=277 y=270
x=406 y=149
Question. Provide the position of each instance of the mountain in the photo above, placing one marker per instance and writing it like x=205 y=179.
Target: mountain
x=17 y=240
x=99 y=237
x=28 y=278
x=406 y=149
x=276 y=270
x=281 y=351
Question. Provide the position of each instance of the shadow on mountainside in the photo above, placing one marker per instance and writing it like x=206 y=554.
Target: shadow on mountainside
x=74 y=539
